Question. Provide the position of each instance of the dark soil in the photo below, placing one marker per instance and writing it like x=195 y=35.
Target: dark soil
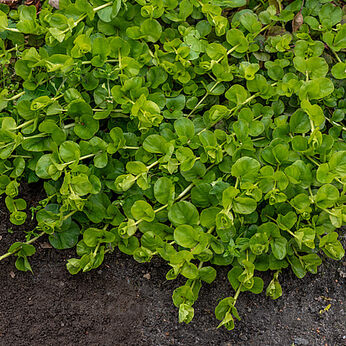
x=126 y=303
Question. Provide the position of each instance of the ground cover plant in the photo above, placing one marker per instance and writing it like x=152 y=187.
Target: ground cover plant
x=209 y=133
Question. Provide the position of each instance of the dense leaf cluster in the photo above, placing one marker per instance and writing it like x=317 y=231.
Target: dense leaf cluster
x=209 y=133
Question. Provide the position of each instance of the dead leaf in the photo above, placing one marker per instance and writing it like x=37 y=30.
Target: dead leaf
x=10 y=3
x=45 y=245
x=54 y=3
x=297 y=21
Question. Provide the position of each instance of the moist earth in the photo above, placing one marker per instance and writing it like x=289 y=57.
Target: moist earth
x=127 y=303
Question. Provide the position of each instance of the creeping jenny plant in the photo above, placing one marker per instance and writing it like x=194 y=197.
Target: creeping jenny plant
x=209 y=133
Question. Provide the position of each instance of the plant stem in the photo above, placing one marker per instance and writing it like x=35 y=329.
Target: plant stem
x=335 y=123
x=89 y=62
x=185 y=191
x=313 y=161
x=203 y=98
x=23 y=156
x=228 y=52
x=336 y=55
x=12 y=29
x=103 y=6
x=27 y=243
x=81 y=158
x=237 y=293
x=152 y=165
x=126 y=147
x=161 y=208
x=68 y=126
x=16 y=96
x=40 y=135
x=14 y=48
x=25 y=124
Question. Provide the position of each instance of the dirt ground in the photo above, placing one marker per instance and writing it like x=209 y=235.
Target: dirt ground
x=126 y=303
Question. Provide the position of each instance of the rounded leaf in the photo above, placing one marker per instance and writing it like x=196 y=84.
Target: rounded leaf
x=183 y=213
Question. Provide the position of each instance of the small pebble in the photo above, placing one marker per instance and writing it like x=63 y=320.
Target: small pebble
x=147 y=276
x=301 y=341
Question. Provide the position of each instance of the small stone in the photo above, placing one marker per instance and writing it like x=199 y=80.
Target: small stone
x=243 y=337
x=147 y=276
x=12 y=274
x=62 y=324
x=301 y=341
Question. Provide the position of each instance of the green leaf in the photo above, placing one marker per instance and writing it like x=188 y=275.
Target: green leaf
x=245 y=166
x=65 y=239
x=3 y=20
x=244 y=205
x=183 y=213
x=189 y=270
x=155 y=144
x=87 y=127
x=186 y=313
x=274 y=289
x=237 y=40
x=259 y=243
x=236 y=95
x=339 y=70
x=311 y=262
x=250 y=22
x=326 y=196
x=186 y=236
x=305 y=236
x=184 y=128
x=224 y=311
x=23 y=264
x=208 y=217
x=93 y=236
x=297 y=267
x=258 y=285
x=207 y=274
x=142 y=210
x=151 y=30
x=164 y=190
x=330 y=15
x=332 y=247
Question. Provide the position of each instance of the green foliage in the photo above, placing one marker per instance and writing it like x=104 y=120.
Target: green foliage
x=199 y=131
